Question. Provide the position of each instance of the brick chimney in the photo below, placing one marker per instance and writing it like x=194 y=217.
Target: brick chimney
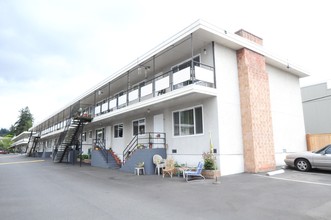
x=256 y=118
x=249 y=36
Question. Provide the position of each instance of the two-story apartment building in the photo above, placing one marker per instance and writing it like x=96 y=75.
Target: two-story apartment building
x=202 y=85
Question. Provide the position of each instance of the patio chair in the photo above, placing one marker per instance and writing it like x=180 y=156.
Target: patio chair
x=169 y=167
x=194 y=173
x=159 y=163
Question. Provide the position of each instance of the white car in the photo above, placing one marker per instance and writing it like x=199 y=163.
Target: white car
x=304 y=161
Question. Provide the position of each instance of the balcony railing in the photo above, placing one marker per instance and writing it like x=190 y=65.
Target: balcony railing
x=200 y=74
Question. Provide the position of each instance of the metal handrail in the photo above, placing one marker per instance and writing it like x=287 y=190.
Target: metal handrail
x=127 y=91
x=101 y=144
x=130 y=147
x=142 y=140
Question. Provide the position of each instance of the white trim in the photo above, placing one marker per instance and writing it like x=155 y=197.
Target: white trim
x=104 y=107
x=138 y=126
x=186 y=109
x=122 y=99
x=181 y=76
x=204 y=75
x=112 y=103
x=162 y=84
x=146 y=90
x=187 y=90
x=133 y=95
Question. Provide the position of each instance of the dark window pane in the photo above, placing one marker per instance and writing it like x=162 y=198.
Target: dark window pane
x=135 y=128
x=187 y=122
x=120 y=130
x=176 y=123
x=198 y=121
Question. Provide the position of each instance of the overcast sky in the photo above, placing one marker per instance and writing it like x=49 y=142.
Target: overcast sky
x=51 y=51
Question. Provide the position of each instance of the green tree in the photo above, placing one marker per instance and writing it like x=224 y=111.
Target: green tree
x=25 y=121
x=6 y=142
x=3 y=132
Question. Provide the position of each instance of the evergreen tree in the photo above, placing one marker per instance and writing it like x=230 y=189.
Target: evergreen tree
x=24 y=122
x=3 y=132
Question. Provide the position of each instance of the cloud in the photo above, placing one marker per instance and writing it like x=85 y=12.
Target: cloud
x=53 y=51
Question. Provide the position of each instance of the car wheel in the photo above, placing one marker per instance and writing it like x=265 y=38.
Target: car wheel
x=302 y=165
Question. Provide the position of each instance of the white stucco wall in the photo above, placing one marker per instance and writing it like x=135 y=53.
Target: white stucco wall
x=190 y=148
x=287 y=113
x=229 y=120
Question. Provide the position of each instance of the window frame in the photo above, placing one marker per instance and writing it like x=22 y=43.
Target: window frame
x=116 y=131
x=137 y=120
x=179 y=111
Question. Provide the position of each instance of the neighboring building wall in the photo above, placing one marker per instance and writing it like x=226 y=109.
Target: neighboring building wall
x=316 y=101
x=287 y=114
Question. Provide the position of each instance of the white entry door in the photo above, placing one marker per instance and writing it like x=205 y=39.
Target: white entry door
x=158 y=127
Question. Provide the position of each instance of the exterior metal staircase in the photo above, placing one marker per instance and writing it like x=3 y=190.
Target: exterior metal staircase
x=32 y=144
x=69 y=138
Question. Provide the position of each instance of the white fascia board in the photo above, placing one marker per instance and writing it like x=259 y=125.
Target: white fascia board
x=21 y=135
x=240 y=42
x=52 y=133
x=20 y=142
x=188 y=90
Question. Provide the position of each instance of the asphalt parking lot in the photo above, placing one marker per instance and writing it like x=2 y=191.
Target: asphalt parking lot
x=32 y=188
x=314 y=177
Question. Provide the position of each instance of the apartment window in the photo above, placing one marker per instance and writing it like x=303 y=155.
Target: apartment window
x=100 y=134
x=118 y=131
x=90 y=134
x=138 y=126
x=188 y=122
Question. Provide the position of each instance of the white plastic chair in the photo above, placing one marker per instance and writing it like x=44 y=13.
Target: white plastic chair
x=159 y=163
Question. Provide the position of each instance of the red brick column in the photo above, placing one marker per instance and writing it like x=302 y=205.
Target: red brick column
x=259 y=154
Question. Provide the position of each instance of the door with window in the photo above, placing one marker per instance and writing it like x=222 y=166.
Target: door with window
x=138 y=127
x=100 y=137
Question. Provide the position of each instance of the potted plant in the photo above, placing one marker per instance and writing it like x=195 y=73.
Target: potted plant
x=210 y=168
x=140 y=146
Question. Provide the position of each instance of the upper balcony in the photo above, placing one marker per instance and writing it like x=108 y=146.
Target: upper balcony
x=190 y=79
x=180 y=70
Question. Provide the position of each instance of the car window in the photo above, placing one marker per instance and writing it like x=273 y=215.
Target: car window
x=328 y=151
x=321 y=151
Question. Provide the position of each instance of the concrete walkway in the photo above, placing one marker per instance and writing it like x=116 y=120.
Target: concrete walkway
x=34 y=189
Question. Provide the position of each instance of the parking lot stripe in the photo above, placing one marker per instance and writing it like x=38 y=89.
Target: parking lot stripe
x=18 y=162
x=298 y=181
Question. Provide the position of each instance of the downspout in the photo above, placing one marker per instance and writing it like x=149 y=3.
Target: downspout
x=214 y=63
x=192 y=64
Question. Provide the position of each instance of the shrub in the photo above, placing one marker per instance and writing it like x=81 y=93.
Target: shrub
x=84 y=156
x=209 y=161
